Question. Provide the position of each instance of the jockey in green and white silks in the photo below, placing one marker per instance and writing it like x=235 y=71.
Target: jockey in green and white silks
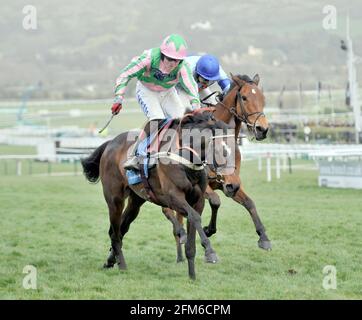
x=158 y=71
x=206 y=70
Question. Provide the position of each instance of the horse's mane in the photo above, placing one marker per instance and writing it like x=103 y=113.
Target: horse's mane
x=244 y=77
x=201 y=120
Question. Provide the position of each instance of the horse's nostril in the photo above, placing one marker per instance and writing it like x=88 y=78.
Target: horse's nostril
x=262 y=130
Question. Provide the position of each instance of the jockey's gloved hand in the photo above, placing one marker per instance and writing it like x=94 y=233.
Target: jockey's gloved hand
x=220 y=96
x=226 y=90
x=195 y=105
x=117 y=105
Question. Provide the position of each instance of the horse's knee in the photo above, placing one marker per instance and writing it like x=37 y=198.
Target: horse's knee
x=214 y=200
x=190 y=252
x=194 y=219
x=215 y=203
x=116 y=246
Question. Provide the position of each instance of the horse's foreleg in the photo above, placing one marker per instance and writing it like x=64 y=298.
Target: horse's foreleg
x=190 y=249
x=214 y=201
x=180 y=204
x=242 y=198
x=178 y=231
x=210 y=255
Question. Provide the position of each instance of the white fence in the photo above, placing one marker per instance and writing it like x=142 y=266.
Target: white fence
x=328 y=159
x=339 y=165
x=340 y=174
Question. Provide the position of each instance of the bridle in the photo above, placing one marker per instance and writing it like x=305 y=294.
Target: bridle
x=243 y=116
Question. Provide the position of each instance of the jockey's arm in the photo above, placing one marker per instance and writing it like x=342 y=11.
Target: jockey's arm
x=224 y=82
x=137 y=66
x=189 y=84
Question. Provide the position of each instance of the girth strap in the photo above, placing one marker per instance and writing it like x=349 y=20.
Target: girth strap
x=150 y=194
x=178 y=159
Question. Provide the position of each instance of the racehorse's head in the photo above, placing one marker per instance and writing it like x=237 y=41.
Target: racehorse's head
x=214 y=143
x=250 y=102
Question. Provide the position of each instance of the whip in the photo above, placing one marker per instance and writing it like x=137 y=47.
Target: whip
x=106 y=125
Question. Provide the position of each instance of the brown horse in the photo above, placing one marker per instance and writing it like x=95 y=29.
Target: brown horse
x=179 y=184
x=244 y=103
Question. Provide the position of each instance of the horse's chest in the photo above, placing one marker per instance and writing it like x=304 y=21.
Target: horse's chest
x=197 y=180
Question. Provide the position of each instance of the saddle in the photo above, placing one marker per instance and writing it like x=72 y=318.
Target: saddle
x=150 y=141
x=148 y=145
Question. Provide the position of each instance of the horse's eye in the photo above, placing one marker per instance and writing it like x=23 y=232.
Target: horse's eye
x=244 y=98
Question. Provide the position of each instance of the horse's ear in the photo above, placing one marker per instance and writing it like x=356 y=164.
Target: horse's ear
x=237 y=80
x=256 y=79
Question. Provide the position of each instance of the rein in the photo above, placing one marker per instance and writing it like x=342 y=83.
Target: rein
x=203 y=101
x=181 y=160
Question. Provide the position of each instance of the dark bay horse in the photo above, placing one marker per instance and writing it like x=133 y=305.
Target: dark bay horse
x=180 y=186
x=244 y=103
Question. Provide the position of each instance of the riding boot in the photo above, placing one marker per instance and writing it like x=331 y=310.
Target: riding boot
x=133 y=162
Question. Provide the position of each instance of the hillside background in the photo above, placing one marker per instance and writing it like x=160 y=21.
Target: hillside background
x=80 y=46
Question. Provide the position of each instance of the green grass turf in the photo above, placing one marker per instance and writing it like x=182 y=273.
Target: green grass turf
x=60 y=225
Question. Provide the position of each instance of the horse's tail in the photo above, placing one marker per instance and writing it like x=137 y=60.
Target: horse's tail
x=91 y=163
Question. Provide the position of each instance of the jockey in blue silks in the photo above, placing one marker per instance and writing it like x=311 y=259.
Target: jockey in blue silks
x=206 y=71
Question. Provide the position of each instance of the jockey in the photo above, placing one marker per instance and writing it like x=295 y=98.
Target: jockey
x=206 y=71
x=158 y=71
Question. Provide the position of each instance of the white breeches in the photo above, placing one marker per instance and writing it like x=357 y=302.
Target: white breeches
x=159 y=105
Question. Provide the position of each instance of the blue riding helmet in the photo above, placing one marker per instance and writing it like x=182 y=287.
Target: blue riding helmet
x=208 y=67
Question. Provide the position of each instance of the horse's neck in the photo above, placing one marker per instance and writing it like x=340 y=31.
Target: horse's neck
x=237 y=128
x=223 y=113
x=177 y=140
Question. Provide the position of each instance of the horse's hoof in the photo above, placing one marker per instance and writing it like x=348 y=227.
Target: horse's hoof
x=179 y=260
x=211 y=258
x=108 y=265
x=192 y=277
x=265 y=244
x=209 y=232
x=122 y=266
x=183 y=239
